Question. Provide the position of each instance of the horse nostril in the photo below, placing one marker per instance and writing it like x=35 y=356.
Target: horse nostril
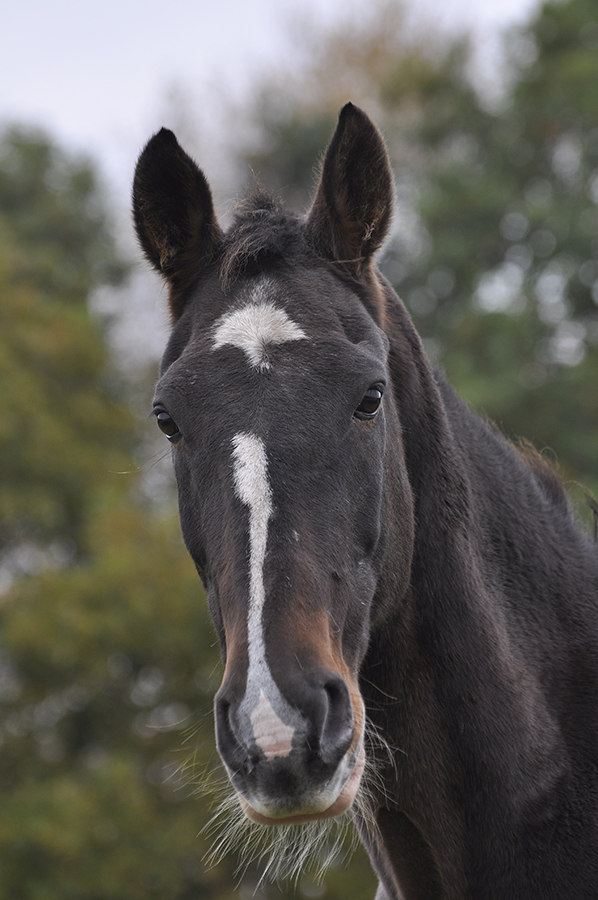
x=223 y=719
x=231 y=749
x=337 y=728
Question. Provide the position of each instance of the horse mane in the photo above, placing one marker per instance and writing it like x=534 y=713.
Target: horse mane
x=545 y=472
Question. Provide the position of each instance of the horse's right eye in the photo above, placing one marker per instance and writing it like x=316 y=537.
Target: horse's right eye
x=168 y=426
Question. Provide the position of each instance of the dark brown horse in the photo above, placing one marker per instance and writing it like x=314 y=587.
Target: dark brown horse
x=377 y=559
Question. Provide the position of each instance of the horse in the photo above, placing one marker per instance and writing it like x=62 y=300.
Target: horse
x=406 y=607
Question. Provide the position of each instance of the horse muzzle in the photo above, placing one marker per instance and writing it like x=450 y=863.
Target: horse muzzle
x=312 y=807
x=292 y=762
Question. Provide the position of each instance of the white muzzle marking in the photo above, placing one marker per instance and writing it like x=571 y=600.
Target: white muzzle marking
x=270 y=732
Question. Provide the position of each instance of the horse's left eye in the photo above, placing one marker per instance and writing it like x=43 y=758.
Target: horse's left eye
x=370 y=403
x=168 y=426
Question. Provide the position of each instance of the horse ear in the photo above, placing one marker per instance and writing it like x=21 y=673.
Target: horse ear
x=174 y=214
x=352 y=209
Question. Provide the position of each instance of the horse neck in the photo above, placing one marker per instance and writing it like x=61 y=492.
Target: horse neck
x=437 y=470
x=449 y=659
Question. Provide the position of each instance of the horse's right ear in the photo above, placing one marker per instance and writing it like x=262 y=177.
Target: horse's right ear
x=174 y=214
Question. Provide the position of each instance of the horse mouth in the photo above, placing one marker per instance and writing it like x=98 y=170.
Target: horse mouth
x=340 y=805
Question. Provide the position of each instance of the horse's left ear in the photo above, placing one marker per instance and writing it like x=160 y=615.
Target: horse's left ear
x=354 y=199
x=174 y=214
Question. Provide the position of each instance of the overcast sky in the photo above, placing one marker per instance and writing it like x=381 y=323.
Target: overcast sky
x=97 y=75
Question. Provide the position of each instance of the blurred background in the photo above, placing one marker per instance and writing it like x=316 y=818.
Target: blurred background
x=108 y=660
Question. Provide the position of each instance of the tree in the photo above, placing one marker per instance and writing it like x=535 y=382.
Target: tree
x=107 y=657
x=60 y=413
x=507 y=286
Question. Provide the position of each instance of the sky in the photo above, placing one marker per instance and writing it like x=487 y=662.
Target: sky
x=98 y=76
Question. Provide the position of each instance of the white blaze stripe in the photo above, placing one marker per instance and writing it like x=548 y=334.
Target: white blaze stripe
x=253 y=489
x=253 y=327
x=250 y=472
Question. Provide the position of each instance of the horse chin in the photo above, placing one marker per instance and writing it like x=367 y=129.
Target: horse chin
x=342 y=803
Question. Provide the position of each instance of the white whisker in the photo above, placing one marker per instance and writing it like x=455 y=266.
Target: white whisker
x=285 y=852
x=282 y=852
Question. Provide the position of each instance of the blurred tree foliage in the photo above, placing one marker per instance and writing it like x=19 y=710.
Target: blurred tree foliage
x=107 y=656
x=495 y=249
x=59 y=414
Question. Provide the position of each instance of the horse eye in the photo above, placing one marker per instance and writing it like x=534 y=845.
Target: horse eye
x=370 y=404
x=168 y=426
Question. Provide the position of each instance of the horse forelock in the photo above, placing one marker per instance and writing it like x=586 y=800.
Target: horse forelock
x=262 y=233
